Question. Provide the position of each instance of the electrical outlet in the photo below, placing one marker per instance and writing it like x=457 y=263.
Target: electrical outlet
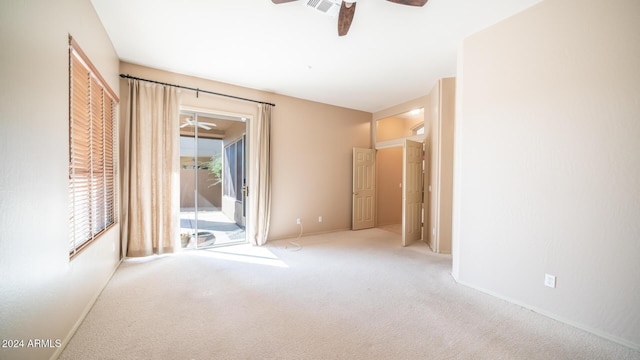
x=298 y=221
x=549 y=281
x=320 y=218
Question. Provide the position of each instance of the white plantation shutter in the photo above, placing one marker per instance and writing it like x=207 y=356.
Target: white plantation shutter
x=91 y=152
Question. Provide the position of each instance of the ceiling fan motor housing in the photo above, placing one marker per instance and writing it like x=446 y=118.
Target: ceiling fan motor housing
x=329 y=7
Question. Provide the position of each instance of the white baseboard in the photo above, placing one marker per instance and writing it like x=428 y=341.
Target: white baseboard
x=304 y=234
x=553 y=316
x=84 y=314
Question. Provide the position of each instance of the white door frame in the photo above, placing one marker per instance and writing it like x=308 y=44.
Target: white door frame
x=247 y=119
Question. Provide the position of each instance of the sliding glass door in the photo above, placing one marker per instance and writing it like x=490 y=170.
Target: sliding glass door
x=234 y=186
x=207 y=218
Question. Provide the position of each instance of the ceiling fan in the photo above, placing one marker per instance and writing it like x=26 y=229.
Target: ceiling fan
x=347 y=9
x=202 y=125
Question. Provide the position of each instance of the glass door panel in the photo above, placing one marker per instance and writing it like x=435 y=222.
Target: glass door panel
x=204 y=170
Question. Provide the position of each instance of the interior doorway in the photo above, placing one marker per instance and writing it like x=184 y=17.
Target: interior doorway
x=389 y=189
x=399 y=190
x=213 y=175
x=400 y=174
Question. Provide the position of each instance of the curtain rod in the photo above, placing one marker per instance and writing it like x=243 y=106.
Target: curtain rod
x=197 y=90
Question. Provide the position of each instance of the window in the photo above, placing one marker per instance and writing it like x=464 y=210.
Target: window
x=230 y=174
x=92 y=168
x=234 y=169
x=239 y=169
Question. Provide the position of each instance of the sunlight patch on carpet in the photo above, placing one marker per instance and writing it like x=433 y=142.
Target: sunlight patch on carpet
x=243 y=253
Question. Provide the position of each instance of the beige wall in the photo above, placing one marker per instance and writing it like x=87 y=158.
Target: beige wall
x=312 y=165
x=417 y=103
x=390 y=128
x=395 y=128
x=43 y=294
x=388 y=191
x=548 y=163
x=311 y=150
x=447 y=128
x=209 y=195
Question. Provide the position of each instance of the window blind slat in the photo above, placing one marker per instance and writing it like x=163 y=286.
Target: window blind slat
x=97 y=156
x=109 y=163
x=92 y=169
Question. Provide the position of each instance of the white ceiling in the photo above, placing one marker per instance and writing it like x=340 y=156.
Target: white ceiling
x=392 y=53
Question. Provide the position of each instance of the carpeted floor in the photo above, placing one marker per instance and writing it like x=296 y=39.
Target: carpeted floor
x=345 y=295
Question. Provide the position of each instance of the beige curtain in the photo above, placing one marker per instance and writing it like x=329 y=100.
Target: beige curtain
x=151 y=171
x=260 y=189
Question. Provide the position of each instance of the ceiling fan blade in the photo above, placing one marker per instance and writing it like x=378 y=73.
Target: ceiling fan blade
x=281 y=1
x=410 y=2
x=203 y=126
x=347 y=10
x=183 y=126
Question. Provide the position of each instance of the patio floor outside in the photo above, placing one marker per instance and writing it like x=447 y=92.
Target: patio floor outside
x=214 y=228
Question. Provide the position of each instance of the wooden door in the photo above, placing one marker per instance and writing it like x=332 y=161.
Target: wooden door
x=412 y=192
x=364 y=189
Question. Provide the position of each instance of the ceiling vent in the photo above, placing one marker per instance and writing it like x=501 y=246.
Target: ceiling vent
x=329 y=7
